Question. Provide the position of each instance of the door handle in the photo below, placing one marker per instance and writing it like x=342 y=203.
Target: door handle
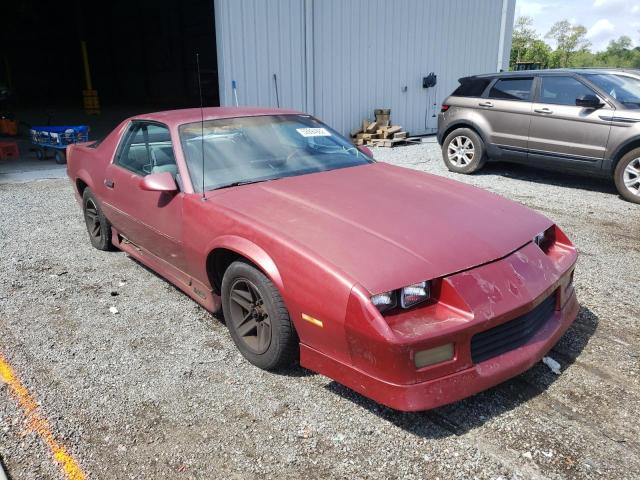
x=108 y=183
x=485 y=104
x=543 y=110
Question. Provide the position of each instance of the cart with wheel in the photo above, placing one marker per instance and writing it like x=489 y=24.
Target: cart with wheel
x=54 y=139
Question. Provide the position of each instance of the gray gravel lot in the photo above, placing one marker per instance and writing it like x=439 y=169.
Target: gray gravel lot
x=158 y=390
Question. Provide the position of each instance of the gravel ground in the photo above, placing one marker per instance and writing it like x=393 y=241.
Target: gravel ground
x=158 y=390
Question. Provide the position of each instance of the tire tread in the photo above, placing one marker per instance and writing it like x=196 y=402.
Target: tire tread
x=618 y=176
x=287 y=343
x=104 y=243
x=477 y=163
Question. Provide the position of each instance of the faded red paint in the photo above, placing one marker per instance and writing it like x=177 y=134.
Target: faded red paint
x=330 y=240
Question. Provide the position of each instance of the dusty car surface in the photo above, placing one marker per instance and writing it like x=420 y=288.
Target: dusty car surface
x=410 y=288
x=575 y=120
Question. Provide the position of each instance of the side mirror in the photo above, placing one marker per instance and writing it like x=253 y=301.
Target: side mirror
x=159 y=182
x=366 y=150
x=588 y=101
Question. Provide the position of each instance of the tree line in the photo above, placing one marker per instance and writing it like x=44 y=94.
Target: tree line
x=572 y=47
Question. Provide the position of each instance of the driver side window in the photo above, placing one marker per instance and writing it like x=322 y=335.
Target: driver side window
x=562 y=90
x=147 y=149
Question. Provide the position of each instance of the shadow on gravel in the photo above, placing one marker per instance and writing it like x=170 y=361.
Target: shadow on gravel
x=549 y=177
x=293 y=371
x=470 y=413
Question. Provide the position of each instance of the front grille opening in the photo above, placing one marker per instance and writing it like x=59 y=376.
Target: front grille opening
x=512 y=334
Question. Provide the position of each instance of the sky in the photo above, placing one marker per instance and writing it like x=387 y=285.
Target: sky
x=604 y=19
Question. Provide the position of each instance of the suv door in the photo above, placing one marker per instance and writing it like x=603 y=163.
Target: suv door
x=560 y=130
x=506 y=109
x=151 y=220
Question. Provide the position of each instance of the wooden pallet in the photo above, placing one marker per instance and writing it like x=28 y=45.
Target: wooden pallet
x=392 y=142
x=380 y=132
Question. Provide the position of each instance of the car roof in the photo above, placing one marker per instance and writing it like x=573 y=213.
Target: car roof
x=190 y=115
x=552 y=71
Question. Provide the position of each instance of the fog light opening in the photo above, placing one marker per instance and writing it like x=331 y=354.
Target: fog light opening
x=440 y=354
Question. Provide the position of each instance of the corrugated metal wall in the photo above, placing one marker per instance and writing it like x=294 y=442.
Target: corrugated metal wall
x=256 y=39
x=340 y=59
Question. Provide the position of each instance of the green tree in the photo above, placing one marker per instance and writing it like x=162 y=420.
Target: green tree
x=619 y=53
x=526 y=45
x=570 y=39
x=538 y=52
x=572 y=47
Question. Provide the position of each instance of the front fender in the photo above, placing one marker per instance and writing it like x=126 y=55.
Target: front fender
x=251 y=251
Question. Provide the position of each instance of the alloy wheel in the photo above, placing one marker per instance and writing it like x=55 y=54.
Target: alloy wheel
x=249 y=316
x=92 y=218
x=631 y=176
x=460 y=151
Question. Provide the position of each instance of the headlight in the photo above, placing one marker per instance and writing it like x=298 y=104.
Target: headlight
x=384 y=301
x=407 y=297
x=545 y=239
x=414 y=294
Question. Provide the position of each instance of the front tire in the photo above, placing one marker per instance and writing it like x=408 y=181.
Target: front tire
x=627 y=176
x=98 y=226
x=463 y=151
x=257 y=318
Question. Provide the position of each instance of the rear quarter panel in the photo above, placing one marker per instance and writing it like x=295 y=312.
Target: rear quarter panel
x=463 y=112
x=87 y=163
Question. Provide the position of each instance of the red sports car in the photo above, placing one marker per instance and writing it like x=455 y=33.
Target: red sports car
x=412 y=289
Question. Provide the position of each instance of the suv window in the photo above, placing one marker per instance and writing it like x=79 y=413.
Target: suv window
x=471 y=87
x=146 y=149
x=623 y=88
x=512 y=89
x=562 y=90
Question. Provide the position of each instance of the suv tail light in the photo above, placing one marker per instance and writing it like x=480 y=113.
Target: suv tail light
x=444 y=108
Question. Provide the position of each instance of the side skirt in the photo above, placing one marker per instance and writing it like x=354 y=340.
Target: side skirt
x=195 y=289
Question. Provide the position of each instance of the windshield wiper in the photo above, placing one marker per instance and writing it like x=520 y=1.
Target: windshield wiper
x=243 y=182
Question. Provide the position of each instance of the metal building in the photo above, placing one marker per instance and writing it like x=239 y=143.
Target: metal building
x=340 y=59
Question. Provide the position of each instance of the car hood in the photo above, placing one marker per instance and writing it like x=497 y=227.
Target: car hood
x=384 y=226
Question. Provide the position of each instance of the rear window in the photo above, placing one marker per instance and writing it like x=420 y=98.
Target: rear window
x=471 y=87
x=511 y=89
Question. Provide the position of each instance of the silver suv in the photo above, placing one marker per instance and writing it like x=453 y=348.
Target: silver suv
x=578 y=120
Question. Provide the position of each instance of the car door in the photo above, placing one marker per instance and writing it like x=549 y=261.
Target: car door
x=151 y=220
x=506 y=109
x=562 y=131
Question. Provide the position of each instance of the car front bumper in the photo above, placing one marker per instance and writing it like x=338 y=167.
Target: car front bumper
x=453 y=387
x=528 y=294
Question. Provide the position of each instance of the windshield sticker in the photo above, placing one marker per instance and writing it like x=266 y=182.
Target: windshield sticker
x=313 y=132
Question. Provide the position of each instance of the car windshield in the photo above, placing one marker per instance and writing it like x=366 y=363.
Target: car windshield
x=623 y=88
x=245 y=150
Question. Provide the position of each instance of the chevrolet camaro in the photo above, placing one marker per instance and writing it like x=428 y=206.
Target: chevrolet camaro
x=411 y=289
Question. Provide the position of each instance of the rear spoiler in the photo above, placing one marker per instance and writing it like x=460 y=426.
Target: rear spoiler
x=466 y=79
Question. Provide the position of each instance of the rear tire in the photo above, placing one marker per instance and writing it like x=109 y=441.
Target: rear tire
x=40 y=153
x=463 y=151
x=98 y=226
x=627 y=176
x=257 y=318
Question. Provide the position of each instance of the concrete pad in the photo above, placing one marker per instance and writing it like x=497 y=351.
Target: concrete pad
x=27 y=168
x=19 y=170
